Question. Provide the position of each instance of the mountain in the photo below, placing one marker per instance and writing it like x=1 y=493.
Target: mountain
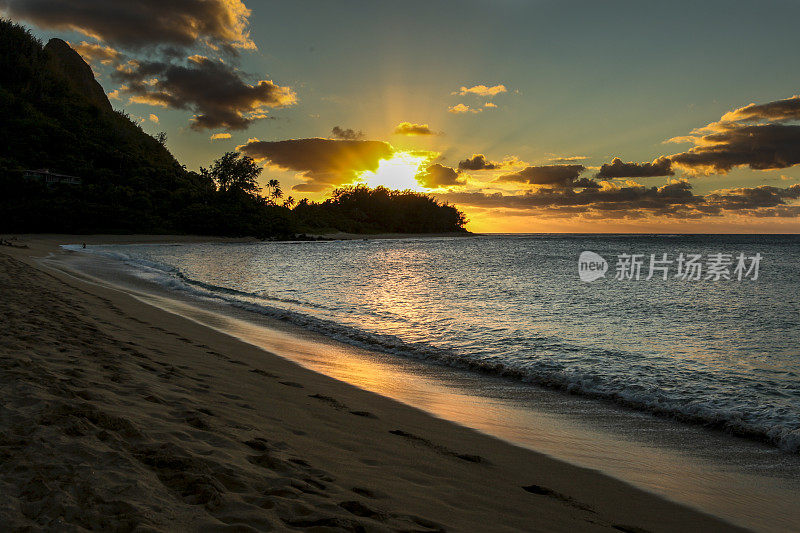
x=68 y=64
x=54 y=114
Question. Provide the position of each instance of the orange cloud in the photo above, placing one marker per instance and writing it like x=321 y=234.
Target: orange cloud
x=323 y=162
x=482 y=90
x=94 y=52
x=436 y=176
x=459 y=109
x=408 y=128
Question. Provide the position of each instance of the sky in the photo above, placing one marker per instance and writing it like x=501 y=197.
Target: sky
x=530 y=116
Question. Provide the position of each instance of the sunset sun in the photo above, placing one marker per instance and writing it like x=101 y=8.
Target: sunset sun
x=397 y=172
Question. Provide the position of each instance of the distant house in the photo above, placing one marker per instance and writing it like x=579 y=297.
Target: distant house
x=44 y=175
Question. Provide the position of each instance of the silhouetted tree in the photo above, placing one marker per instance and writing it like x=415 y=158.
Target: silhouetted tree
x=360 y=209
x=234 y=171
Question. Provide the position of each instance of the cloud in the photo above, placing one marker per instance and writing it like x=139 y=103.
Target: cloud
x=552 y=175
x=674 y=200
x=436 y=176
x=139 y=24
x=323 y=162
x=93 y=53
x=346 y=134
x=213 y=90
x=462 y=108
x=490 y=105
x=562 y=160
x=481 y=90
x=754 y=136
x=608 y=198
x=477 y=162
x=407 y=128
x=753 y=198
x=760 y=147
x=153 y=118
x=617 y=169
x=218 y=136
x=788 y=109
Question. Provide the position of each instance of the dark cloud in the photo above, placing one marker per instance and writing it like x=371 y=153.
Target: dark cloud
x=213 y=90
x=323 y=162
x=788 y=109
x=662 y=200
x=760 y=147
x=143 y=23
x=436 y=176
x=407 y=128
x=585 y=183
x=477 y=162
x=617 y=169
x=754 y=136
x=346 y=134
x=675 y=200
x=753 y=198
x=551 y=175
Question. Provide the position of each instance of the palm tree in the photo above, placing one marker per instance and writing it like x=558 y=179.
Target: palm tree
x=274 y=190
x=289 y=202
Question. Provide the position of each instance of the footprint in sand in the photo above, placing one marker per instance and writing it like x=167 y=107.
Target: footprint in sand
x=365 y=414
x=367 y=493
x=439 y=448
x=264 y=373
x=550 y=493
x=333 y=402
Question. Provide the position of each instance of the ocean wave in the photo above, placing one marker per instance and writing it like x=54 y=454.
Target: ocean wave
x=761 y=422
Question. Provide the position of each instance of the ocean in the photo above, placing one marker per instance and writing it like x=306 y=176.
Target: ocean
x=721 y=351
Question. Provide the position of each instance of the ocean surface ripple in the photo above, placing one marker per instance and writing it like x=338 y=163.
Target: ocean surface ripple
x=724 y=354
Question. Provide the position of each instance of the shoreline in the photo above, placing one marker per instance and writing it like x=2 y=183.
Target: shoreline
x=184 y=239
x=413 y=455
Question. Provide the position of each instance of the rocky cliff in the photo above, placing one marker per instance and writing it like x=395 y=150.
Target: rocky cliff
x=70 y=66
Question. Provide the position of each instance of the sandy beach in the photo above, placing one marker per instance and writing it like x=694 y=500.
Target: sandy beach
x=119 y=416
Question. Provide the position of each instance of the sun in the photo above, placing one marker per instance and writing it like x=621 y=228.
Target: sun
x=397 y=172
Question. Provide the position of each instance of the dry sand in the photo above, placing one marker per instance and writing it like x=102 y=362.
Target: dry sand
x=119 y=416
